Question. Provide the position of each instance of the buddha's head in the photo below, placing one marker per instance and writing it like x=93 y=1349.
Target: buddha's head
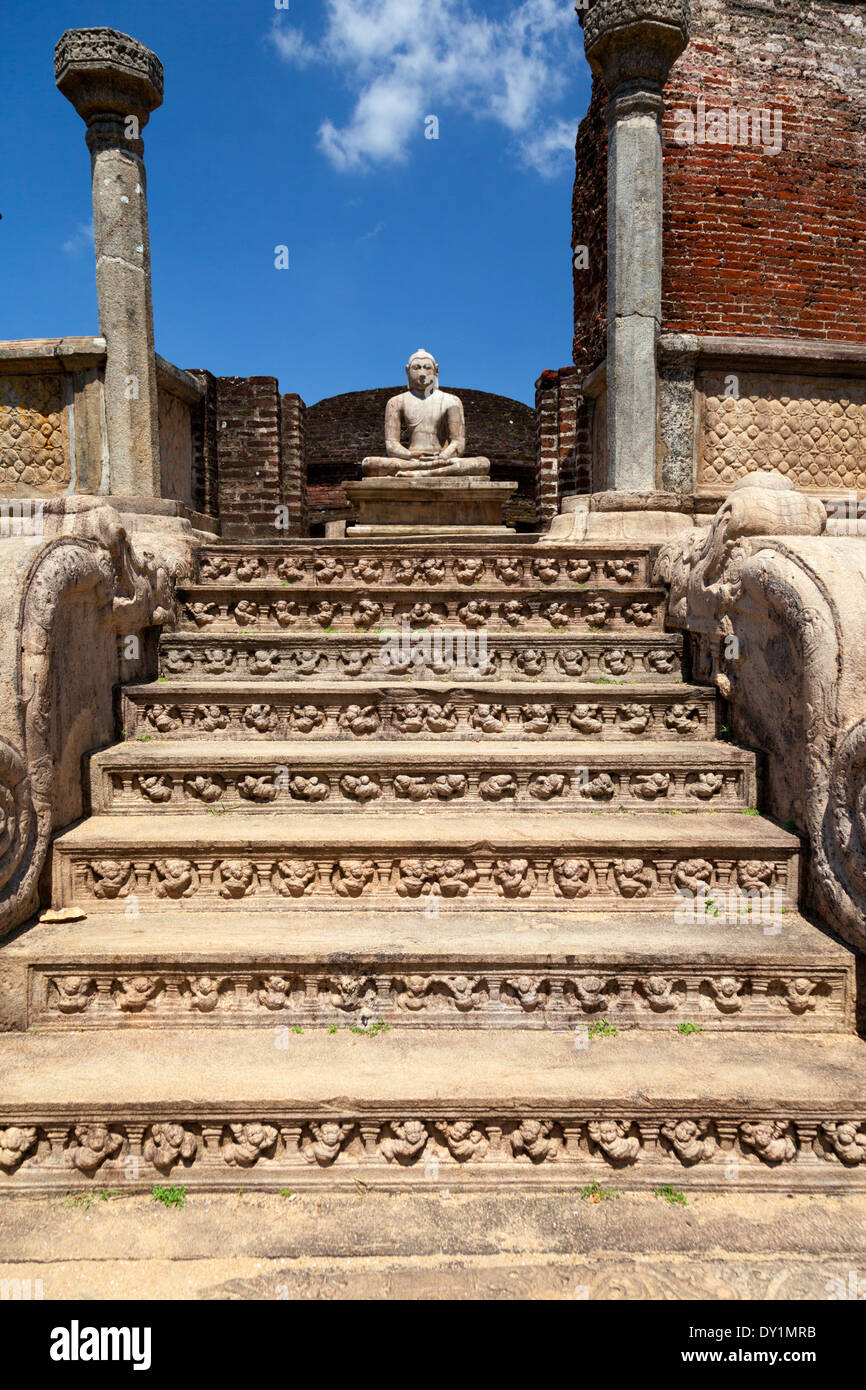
x=422 y=372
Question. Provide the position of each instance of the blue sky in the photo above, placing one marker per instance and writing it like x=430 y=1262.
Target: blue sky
x=305 y=127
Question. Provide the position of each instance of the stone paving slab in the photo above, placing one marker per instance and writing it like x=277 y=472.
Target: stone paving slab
x=439 y=1245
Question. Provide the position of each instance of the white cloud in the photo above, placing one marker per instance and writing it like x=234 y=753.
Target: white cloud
x=403 y=61
x=551 y=150
x=82 y=237
x=291 y=46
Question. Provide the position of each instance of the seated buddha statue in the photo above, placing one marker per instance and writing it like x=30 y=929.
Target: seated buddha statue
x=432 y=421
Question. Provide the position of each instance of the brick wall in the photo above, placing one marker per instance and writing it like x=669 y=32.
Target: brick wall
x=248 y=456
x=589 y=229
x=770 y=244
x=341 y=430
x=563 y=417
x=205 y=485
x=755 y=243
x=562 y=440
x=294 y=461
x=248 y=453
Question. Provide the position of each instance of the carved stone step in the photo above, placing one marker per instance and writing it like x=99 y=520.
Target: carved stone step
x=287 y=656
x=415 y=970
x=322 y=711
x=499 y=563
x=272 y=611
x=205 y=1107
x=248 y=776
x=594 y=863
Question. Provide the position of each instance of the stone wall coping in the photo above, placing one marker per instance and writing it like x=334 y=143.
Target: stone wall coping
x=775 y=354
x=33 y=354
x=73 y=354
x=595 y=381
x=176 y=382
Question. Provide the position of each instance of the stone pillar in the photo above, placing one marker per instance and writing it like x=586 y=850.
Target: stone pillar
x=632 y=44
x=114 y=83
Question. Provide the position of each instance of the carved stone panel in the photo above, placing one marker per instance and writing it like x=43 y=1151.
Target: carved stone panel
x=33 y=442
x=810 y=429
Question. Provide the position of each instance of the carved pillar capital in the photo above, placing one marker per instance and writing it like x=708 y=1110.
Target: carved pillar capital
x=108 y=77
x=632 y=44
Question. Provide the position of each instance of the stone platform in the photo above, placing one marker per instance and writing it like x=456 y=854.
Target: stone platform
x=429 y=506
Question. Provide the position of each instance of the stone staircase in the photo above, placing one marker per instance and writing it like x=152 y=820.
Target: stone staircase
x=360 y=912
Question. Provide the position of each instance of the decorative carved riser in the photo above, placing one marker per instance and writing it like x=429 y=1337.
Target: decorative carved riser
x=208 y=610
x=109 y=880
x=468 y=995
x=707 y=1152
x=440 y=712
x=502 y=564
x=585 y=656
x=261 y=786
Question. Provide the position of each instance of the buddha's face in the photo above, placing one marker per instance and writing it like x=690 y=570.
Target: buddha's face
x=421 y=372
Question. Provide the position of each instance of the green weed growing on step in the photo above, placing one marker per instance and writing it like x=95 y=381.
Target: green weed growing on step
x=594 y=1193
x=688 y=1028
x=332 y=1028
x=286 y=1192
x=750 y=811
x=170 y=1196
x=297 y=1028
x=671 y=1195
x=602 y=1029
x=85 y=1200
x=373 y=1030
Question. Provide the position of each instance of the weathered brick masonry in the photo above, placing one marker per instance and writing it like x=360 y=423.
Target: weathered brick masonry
x=769 y=244
x=248 y=456
x=562 y=440
x=248 y=447
x=589 y=229
x=205 y=473
x=293 y=461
